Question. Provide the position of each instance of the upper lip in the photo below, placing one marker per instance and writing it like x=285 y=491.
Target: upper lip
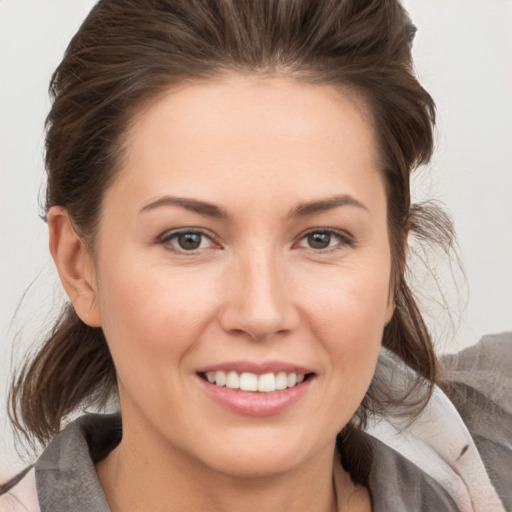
x=259 y=368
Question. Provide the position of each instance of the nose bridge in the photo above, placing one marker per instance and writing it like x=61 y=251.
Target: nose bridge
x=261 y=305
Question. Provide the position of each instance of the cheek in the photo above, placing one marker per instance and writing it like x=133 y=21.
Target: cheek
x=152 y=315
x=353 y=302
x=153 y=321
x=348 y=317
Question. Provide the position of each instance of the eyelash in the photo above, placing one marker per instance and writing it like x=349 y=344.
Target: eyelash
x=344 y=239
x=167 y=238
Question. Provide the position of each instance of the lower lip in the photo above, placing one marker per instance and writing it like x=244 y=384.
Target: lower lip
x=253 y=403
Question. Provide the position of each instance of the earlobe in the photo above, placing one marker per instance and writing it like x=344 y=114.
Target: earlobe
x=74 y=265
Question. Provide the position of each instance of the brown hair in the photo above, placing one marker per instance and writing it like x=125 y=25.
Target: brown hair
x=127 y=51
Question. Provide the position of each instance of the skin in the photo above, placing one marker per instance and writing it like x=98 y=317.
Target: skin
x=259 y=149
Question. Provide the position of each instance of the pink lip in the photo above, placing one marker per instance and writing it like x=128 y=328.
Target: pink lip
x=255 y=367
x=253 y=403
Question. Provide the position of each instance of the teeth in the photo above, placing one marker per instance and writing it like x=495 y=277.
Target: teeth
x=220 y=378
x=281 y=380
x=248 y=382
x=232 y=380
x=292 y=379
x=265 y=383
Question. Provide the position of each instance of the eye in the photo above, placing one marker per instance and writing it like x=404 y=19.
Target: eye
x=187 y=240
x=322 y=239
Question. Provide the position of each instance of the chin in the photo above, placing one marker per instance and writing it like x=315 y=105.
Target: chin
x=266 y=465
x=269 y=458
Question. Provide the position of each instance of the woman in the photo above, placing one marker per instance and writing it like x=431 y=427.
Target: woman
x=228 y=204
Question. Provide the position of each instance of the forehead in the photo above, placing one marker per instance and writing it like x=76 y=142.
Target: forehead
x=231 y=131
x=279 y=105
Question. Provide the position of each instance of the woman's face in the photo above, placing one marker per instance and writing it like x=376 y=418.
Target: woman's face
x=244 y=242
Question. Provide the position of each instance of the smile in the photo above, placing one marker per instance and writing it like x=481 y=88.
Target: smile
x=247 y=381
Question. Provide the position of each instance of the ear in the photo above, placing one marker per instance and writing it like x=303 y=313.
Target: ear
x=74 y=264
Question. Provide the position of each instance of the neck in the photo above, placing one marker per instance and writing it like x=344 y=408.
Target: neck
x=148 y=472
x=132 y=481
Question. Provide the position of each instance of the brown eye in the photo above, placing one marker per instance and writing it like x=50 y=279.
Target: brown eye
x=189 y=241
x=325 y=239
x=186 y=240
x=319 y=240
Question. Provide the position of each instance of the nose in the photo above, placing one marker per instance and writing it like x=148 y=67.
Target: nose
x=259 y=301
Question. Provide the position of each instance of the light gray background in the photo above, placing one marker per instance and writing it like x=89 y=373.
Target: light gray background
x=463 y=55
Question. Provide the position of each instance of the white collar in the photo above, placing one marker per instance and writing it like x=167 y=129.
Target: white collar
x=437 y=441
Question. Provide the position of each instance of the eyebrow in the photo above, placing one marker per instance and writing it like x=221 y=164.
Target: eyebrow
x=314 y=207
x=212 y=210
x=193 y=205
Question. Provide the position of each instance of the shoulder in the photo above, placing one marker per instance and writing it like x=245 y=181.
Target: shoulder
x=65 y=471
x=398 y=484
x=64 y=477
x=461 y=441
x=481 y=389
x=486 y=367
x=22 y=495
x=480 y=385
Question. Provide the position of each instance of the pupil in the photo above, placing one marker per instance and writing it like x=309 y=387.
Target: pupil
x=319 y=240
x=189 y=241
